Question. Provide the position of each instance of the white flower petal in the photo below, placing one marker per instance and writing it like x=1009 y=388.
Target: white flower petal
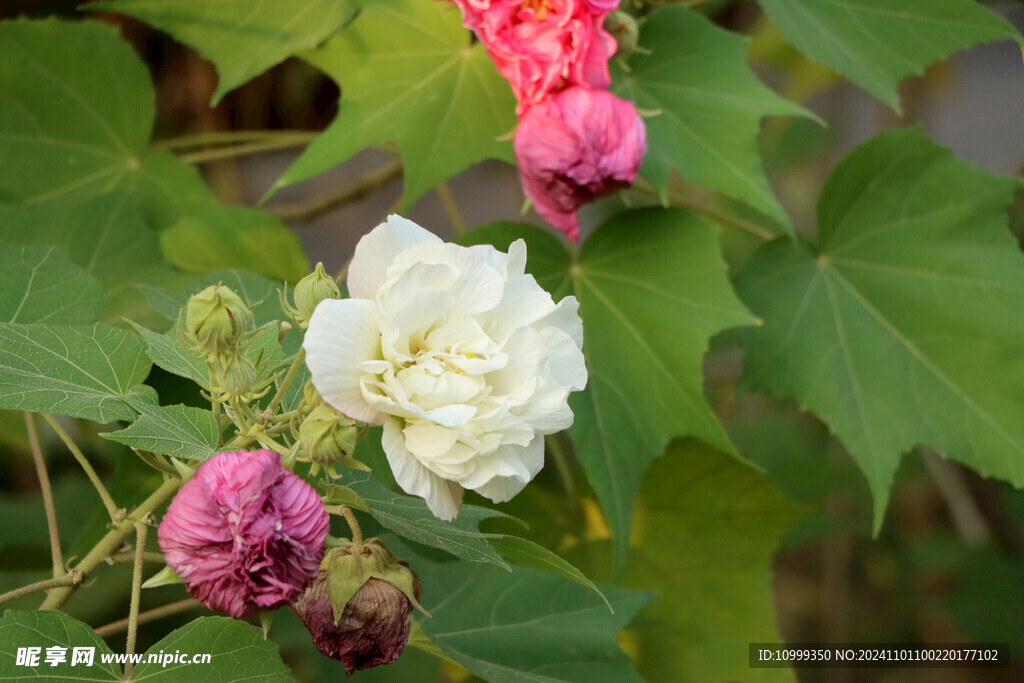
x=501 y=489
x=341 y=335
x=443 y=497
x=376 y=251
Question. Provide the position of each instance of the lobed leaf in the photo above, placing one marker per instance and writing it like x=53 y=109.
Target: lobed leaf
x=877 y=43
x=177 y=431
x=903 y=326
x=42 y=285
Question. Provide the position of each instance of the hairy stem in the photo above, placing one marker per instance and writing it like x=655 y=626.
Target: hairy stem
x=318 y=206
x=109 y=544
x=148 y=616
x=108 y=502
x=44 y=486
x=357 y=533
x=45 y=584
x=293 y=370
x=133 y=610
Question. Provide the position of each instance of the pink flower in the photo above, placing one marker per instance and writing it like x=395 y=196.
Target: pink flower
x=541 y=46
x=574 y=146
x=244 y=533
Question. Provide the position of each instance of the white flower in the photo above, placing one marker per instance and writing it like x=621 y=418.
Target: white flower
x=462 y=357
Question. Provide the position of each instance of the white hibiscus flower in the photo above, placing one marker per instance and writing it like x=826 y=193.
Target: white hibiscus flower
x=462 y=357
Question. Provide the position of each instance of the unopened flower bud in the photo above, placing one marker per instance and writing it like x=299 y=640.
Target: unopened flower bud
x=329 y=437
x=625 y=30
x=358 y=610
x=216 y=318
x=236 y=374
x=313 y=289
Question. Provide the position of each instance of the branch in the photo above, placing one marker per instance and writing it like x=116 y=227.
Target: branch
x=44 y=486
x=318 y=206
x=108 y=502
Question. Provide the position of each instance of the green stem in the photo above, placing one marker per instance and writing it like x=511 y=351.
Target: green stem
x=246 y=148
x=357 y=533
x=108 y=502
x=148 y=616
x=45 y=584
x=558 y=455
x=703 y=207
x=109 y=544
x=146 y=557
x=44 y=486
x=231 y=137
x=451 y=208
x=293 y=370
x=133 y=610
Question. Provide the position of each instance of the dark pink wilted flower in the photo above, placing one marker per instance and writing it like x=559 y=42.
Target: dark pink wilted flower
x=244 y=533
x=540 y=46
x=574 y=146
x=358 y=610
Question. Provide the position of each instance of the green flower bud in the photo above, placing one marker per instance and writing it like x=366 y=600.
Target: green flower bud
x=624 y=29
x=235 y=375
x=311 y=290
x=216 y=318
x=328 y=437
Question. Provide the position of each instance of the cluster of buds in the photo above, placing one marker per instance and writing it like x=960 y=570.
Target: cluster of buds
x=358 y=610
x=309 y=292
x=216 y=325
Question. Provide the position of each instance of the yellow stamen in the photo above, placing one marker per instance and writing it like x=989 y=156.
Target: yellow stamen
x=540 y=8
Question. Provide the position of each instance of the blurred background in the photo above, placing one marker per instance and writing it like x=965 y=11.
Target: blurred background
x=948 y=564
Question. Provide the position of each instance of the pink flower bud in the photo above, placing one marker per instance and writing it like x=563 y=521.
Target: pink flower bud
x=575 y=146
x=244 y=533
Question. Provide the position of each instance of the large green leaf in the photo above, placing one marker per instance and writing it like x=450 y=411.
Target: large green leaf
x=410 y=75
x=107 y=236
x=707 y=527
x=876 y=43
x=238 y=651
x=77 y=112
x=241 y=37
x=903 y=326
x=708 y=106
x=525 y=626
x=178 y=431
x=224 y=237
x=93 y=372
x=42 y=285
x=652 y=289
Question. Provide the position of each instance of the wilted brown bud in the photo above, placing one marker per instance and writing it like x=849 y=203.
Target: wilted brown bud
x=358 y=610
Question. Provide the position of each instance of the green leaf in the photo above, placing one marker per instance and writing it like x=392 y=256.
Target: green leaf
x=652 y=289
x=78 y=109
x=51 y=628
x=527 y=553
x=241 y=38
x=876 y=43
x=235 y=237
x=238 y=650
x=93 y=372
x=709 y=106
x=42 y=285
x=107 y=236
x=904 y=326
x=525 y=626
x=410 y=75
x=177 y=431
x=409 y=517
x=165 y=351
x=708 y=528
